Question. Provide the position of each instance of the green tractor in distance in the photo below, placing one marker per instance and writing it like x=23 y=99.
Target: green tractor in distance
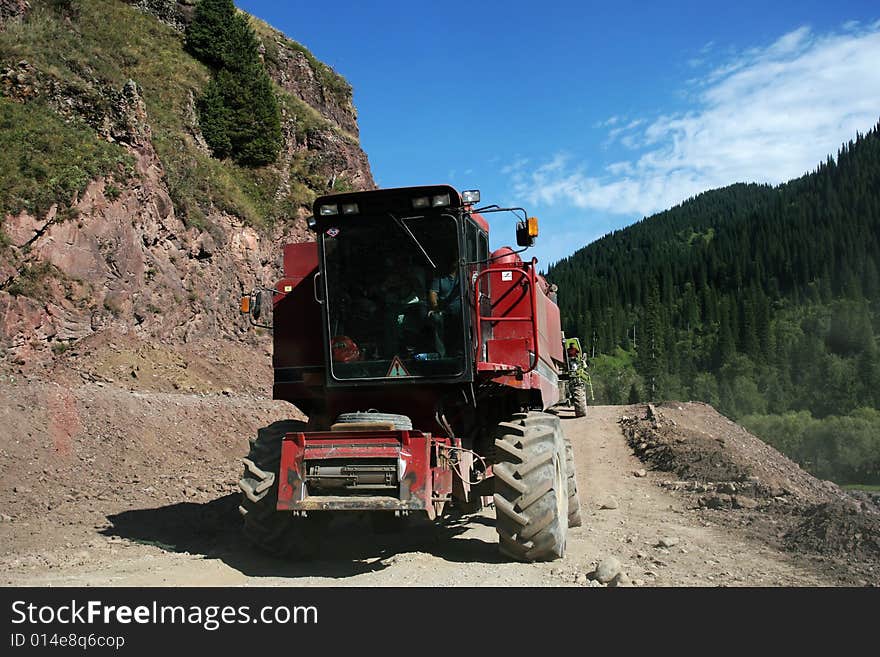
x=576 y=377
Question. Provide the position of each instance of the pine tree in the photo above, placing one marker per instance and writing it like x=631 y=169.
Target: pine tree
x=215 y=117
x=238 y=111
x=634 y=397
x=208 y=35
x=241 y=49
x=650 y=351
x=787 y=275
x=256 y=133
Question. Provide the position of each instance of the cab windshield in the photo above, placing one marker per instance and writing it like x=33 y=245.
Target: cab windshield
x=393 y=298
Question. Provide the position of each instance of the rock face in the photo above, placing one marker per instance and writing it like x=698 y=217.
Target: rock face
x=131 y=265
x=121 y=258
x=294 y=71
x=10 y=9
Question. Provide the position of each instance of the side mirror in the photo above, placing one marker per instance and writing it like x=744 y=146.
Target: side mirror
x=527 y=231
x=252 y=305
x=258 y=305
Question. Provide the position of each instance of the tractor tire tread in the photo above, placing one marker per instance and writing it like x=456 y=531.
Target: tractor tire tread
x=579 y=400
x=276 y=532
x=532 y=512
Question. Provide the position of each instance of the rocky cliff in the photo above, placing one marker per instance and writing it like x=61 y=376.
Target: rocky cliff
x=135 y=229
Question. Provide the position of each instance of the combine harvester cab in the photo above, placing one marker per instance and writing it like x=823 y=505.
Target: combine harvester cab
x=425 y=365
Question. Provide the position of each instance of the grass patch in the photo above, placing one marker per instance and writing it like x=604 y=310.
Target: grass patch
x=44 y=160
x=110 y=42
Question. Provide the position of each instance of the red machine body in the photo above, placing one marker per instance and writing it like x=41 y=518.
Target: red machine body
x=512 y=357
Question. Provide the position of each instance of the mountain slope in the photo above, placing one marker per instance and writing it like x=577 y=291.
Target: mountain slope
x=756 y=299
x=114 y=214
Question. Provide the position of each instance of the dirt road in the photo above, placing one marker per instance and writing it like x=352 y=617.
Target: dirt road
x=194 y=539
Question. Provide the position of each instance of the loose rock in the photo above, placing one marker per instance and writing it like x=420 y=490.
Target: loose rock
x=743 y=502
x=607 y=569
x=609 y=503
x=620 y=580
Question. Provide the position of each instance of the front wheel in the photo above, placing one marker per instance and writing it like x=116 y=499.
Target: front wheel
x=531 y=487
x=579 y=399
x=279 y=533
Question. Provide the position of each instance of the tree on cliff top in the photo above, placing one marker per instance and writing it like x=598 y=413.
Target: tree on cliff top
x=235 y=122
x=238 y=110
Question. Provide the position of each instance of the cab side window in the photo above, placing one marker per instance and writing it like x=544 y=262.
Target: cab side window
x=471 y=242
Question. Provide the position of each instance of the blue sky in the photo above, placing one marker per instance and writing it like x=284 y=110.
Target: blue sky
x=593 y=115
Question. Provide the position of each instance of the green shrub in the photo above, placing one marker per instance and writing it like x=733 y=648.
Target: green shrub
x=59 y=348
x=615 y=377
x=33 y=281
x=843 y=448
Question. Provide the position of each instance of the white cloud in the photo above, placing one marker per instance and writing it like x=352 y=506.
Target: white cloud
x=625 y=130
x=767 y=115
x=515 y=167
x=609 y=122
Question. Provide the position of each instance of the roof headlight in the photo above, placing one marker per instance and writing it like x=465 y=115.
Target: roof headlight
x=421 y=202
x=329 y=210
x=349 y=208
x=471 y=196
x=440 y=201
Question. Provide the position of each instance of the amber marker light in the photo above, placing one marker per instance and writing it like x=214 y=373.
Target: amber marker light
x=533 y=226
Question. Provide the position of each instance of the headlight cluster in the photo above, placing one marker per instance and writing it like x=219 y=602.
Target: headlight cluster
x=333 y=209
x=438 y=201
x=419 y=203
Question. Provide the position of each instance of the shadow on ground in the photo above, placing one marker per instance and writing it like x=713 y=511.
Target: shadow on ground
x=348 y=546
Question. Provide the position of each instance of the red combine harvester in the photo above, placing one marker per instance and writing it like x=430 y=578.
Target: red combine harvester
x=426 y=366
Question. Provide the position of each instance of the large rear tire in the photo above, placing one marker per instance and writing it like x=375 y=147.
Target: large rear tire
x=279 y=533
x=579 y=400
x=574 y=503
x=531 y=487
